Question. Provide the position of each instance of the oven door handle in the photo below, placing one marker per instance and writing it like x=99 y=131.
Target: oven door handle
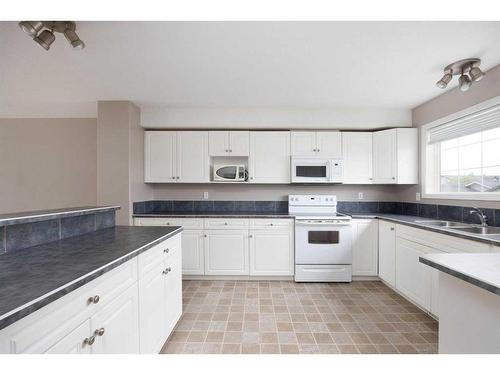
x=305 y=224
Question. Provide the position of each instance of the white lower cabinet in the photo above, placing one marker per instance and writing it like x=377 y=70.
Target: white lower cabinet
x=72 y=343
x=387 y=252
x=226 y=252
x=413 y=279
x=193 y=255
x=271 y=252
x=116 y=326
x=130 y=309
x=365 y=247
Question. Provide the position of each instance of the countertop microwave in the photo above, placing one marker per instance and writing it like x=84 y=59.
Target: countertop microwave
x=230 y=172
x=316 y=170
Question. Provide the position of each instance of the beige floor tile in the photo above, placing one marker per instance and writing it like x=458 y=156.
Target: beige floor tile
x=406 y=349
x=367 y=349
x=323 y=338
x=289 y=349
x=250 y=348
x=196 y=336
x=193 y=348
x=305 y=338
x=234 y=326
x=287 y=338
x=173 y=348
x=359 y=338
x=269 y=349
x=250 y=338
x=282 y=326
x=231 y=348
x=214 y=337
x=233 y=337
x=348 y=349
x=308 y=349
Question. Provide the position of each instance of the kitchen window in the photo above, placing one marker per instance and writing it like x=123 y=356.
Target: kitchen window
x=461 y=154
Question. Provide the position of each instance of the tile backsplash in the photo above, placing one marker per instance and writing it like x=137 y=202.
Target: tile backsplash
x=431 y=211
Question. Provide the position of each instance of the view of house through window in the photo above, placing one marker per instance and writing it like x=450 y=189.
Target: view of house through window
x=470 y=163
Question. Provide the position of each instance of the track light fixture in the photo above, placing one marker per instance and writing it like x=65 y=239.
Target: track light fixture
x=42 y=32
x=467 y=69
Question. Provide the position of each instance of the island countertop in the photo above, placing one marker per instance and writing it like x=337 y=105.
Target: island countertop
x=481 y=270
x=33 y=277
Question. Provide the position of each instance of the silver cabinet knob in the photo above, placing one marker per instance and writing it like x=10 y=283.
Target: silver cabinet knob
x=250 y=236
x=166 y=251
x=89 y=340
x=226 y=150
x=394 y=178
x=392 y=228
x=225 y=223
x=271 y=224
x=167 y=270
x=99 y=332
x=94 y=299
x=230 y=150
x=177 y=177
x=370 y=178
x=168 y=222
x=205 y=235
x=251 y=178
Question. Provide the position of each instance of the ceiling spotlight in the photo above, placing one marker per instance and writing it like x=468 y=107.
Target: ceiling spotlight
x=73 y=39
x=31 y=27
x=42 y=32
x=443 y=82
x=45 y=39
x=462 y=68
x=464 y=82
x=476 y=74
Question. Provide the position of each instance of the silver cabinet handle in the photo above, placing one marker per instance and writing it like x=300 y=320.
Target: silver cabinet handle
x=94 y=299
x=166 y=250
x=89 y=340
x=99 y=332
x=250 y=236
x=167 y=270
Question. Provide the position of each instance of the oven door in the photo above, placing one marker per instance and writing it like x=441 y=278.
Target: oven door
x=310 y=170
x=323 y=242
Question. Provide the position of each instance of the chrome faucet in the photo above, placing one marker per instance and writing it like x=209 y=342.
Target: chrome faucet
x=482 y=216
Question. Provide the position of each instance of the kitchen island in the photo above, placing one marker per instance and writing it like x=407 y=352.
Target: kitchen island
x=469 y=302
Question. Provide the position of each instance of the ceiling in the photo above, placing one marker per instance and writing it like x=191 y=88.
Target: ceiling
x=392 y=65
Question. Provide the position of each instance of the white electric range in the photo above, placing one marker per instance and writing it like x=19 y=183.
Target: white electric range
x=323 y=239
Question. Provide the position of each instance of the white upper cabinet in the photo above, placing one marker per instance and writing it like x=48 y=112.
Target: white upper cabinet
x=269 y=160
x=176 y=156
x=395 y=156
x=192 y=156
x=159 y=158
x=327 y=144
x=229 y=143
x=358 y=157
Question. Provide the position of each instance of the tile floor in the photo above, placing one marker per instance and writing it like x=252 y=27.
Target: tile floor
x=285 y=317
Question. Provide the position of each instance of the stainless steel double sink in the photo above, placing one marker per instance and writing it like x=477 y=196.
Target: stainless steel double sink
x=492 y=232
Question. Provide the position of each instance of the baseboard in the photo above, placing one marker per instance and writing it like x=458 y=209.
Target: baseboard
x=238 y=278
x=365 y=278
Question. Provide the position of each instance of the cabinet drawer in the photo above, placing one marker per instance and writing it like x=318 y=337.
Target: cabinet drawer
x=41 y=330
x=442 y=242
x=271 y=223
x=157 y=254
x=226 y=223
x=187 y=223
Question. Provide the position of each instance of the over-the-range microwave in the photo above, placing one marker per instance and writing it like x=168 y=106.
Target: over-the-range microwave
x=316 y=170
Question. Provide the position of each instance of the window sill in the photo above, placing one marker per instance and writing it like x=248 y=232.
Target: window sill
x=463 y=196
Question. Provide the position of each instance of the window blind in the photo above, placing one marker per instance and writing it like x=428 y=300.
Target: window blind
x=485 y=119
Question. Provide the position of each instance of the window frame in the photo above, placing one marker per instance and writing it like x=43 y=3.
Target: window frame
x=432 y=168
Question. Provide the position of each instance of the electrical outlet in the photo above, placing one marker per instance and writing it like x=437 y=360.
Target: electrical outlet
x=205 y=195
x=417 y=197
x=360 y=195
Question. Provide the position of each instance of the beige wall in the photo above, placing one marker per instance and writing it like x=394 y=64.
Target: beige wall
x=47 y=163
x=120 y=158
x=271 y=192
x=446 y=104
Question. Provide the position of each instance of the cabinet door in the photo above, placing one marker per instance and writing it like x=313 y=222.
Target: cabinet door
x=120 y=322
x=413 y=278
x=387 y=252
x=271 y=252
x=73 y=342
x=239 y=143
x=226 y=252
x=329 y=144
x=303 y=144
x=159 y=158
x=384 y=157
x=365 y=248
x=192 y=156
x=218 y=143
x=269 y=160
x=357 y=155
x=173 y=290
x=192 y=252
x=152 y=310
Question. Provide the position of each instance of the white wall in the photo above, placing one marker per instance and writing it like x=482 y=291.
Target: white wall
x=274 y=118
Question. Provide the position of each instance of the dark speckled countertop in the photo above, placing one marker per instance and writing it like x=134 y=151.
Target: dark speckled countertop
x=32 y=278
